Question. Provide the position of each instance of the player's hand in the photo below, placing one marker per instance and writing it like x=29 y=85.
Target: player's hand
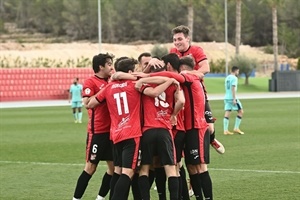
x=156 y=63
x=173 y=120
x=234 y=101
x=175 y=82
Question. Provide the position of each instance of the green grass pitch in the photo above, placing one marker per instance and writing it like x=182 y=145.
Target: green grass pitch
x=42 y=153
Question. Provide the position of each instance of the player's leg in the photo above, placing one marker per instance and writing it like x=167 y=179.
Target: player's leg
x=160 y=178
x=238 y=118
x=167 y=154
x=92 y=160
x=79 y=114
x=184 y=185
x=74 y=106
x=147 y=141
x=227 y=107
x=193 y=160
x=143 y=181
x=179 y=141
x=218 y=146
x=204 y=177
x=106 y=179
x=129 y=163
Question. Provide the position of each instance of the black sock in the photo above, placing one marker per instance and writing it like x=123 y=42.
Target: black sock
x=135 y=187
x=144 y=187
x=196 y=185
x=206 y=185
x=122 y=188
x=184 y=188
x=82 y=183
x=105 y=185
x=212 y=136
x=151 y=177
x=160 y=181
x=113 y=182
x=173 y=187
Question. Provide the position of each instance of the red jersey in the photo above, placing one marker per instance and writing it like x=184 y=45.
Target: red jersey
x=198 y=54
x=98 y=121
x=180 y=121
x=194 y=107
x=158 y=110
x=124 y=105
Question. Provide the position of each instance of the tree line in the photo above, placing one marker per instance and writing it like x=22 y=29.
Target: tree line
x=125 y=21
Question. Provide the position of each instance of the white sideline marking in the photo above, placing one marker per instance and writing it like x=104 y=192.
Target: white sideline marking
x=214 y=169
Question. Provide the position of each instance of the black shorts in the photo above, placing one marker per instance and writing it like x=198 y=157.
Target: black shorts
x=197 y=143
x=158 y=141
x=208 y=114
x=179 y=141
x=98 y=147
x=127 y=153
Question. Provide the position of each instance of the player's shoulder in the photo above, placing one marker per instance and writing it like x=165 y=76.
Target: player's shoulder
x=195 y=48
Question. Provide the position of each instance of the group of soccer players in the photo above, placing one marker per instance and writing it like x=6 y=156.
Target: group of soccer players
x=142 y=123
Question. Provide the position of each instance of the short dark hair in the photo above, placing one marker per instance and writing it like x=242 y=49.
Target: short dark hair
x=158 y=69
x=100 y=60
x=118 y=60
x=234 y=68
x=173 y=59
x=126 y=65
x=145 y=54
x=188 y=61
x=181 y=29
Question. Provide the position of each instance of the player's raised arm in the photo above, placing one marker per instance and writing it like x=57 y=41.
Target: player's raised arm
x=122 y=75
x=154 y=92
x=155 y=62
x=176 y=76
x=96 y=99
x=204 y=66
x=180 y=101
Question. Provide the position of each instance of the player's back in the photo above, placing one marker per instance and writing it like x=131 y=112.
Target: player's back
x=124 y=104
x=194 y=108
x=230 y=81
x=157 y=111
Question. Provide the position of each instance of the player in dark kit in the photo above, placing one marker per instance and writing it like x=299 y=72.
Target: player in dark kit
x=98 y=144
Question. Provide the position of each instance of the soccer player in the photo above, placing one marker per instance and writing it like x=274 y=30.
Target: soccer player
x=231 y=102
x=124 y=103
x=182 y=47
x=160 y=113
x=144 y=59
x=197 y=134
x=75 y=98
x=98 y=144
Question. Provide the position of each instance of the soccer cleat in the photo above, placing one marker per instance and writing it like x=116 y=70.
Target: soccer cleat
x=228 y=133
x=79 y=121
x=238 y=131
x=75 y=121
x=218 y=146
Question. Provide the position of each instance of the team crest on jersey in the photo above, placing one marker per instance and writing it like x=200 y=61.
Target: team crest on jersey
x=93 y=156
x=101 y=86
x=87 y=91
